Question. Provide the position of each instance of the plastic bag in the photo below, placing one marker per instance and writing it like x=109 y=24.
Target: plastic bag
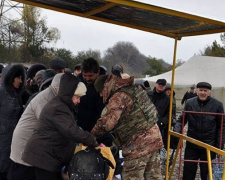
x=217 y=169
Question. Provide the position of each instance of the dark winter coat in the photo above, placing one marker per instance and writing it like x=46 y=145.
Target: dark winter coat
x=53 y=142
x=205 y=128
x=10 y=111
x=90 y=107
x=162 y=104
x=187 y=96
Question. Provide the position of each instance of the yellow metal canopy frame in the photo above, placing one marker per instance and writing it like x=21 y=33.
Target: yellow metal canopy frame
x=145 y=17
x=135 y=15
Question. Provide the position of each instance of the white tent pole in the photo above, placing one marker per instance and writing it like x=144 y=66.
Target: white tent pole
x=171 y=107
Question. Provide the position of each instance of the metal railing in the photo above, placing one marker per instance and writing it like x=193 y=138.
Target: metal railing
x=208 y=147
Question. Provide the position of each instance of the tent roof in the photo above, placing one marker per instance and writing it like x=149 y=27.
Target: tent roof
x=135 y=15
x=197 y=69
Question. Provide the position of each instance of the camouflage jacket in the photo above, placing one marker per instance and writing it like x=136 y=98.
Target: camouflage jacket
x=120 y=104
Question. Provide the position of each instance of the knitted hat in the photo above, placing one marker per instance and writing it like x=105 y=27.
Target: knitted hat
x=99 y=82
x=81 y=89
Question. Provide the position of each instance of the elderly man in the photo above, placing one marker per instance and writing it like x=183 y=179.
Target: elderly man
x=205 y=128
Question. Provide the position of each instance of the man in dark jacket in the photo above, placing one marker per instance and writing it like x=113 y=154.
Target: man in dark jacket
x=205 y=128
x=188 y=95
x=91 y=104
x=53 y=142
x=162 y=104
x=12 y=83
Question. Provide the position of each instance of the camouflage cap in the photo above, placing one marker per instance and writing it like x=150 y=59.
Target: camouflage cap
x=99 y=82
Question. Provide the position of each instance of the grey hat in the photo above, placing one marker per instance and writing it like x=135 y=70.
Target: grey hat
x=168 y=86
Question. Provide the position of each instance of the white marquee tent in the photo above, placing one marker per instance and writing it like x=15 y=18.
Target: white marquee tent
x=197 y=69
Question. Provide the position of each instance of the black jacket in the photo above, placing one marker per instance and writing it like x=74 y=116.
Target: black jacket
x=90 y=107
x=205 y=128
x=162 y=103
x=53 y=142
x=10 y=111
x=187 y=96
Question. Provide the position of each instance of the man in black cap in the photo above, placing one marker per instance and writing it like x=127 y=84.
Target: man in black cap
x=58 y=65
x=189 y=94
x=162 y=104
x=204 y=128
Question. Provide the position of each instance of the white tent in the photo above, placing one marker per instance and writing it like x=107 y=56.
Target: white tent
x=197 y=69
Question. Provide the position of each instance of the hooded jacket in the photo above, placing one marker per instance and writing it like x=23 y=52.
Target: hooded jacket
x=119 y=105
x=10 y=110
x=29 y=119
x=53 y=142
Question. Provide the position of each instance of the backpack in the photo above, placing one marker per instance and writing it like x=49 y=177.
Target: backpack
x=89 y=164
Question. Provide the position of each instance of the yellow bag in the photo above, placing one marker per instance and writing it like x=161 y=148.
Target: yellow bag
x=79 y=147
x=106 y=152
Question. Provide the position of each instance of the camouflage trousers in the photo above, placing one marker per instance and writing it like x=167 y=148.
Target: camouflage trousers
x=147 y=166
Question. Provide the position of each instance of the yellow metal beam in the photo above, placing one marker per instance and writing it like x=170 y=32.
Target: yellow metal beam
x=98 y=10
x=171 y=107
x=112 y=3
x=203 y=32
x=175 y=159
x=163 y=11
x=194 y=141
x=209 y=164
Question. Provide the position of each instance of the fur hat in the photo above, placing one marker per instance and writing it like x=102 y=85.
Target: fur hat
x=81 y=89
x=99 y=82
x=32 y=71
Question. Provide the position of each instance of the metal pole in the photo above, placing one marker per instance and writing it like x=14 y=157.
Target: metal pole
x=171 y=107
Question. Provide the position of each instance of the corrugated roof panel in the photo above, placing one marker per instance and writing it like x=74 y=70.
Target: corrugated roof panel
x=135 y=15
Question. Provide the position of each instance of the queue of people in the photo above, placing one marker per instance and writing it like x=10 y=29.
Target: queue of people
x=41 y=121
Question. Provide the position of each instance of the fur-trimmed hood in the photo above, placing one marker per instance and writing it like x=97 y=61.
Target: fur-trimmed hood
x=8 y=74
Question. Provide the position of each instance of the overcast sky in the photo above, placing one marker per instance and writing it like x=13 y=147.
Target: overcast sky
x=80 y=34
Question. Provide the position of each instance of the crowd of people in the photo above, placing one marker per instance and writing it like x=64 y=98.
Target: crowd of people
x=45 y=112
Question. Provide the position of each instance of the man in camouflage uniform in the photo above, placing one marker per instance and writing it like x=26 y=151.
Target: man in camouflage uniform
x=139 y=136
